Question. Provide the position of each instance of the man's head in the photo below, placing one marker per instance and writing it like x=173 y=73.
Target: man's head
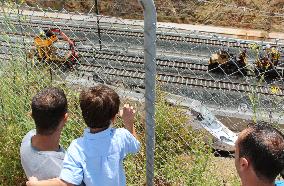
x=49 y=108
x=259 y=149
x=99 y=106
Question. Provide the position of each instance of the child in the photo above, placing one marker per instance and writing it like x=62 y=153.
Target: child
x=97 y=157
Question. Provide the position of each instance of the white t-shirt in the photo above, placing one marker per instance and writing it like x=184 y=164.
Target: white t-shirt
x=41 y=164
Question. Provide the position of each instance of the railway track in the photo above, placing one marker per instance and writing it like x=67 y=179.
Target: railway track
x=125 y=60
x=137 y=34
x=98 y=71
x=122 y=71
x=169 y=78
x=31 y=35
x=181 y=65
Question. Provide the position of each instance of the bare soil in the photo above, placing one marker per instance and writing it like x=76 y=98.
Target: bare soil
x=265 y=15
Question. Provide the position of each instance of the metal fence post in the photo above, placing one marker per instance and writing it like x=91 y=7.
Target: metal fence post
x=98 y=23
x=150 y=24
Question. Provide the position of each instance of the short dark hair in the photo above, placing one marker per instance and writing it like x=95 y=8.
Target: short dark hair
x=263 y=145
x=48 y=108
x=99 y=105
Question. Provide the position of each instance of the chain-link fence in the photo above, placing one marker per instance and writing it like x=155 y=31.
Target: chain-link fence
x=210 y=81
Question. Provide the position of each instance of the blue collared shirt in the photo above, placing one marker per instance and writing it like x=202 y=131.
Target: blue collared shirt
x=279 y=183
x=97 y=158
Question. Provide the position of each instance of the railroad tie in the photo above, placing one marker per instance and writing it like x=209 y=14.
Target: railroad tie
x=177 y=79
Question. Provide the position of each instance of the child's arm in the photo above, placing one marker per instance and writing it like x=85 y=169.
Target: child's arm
x=51 y=182
x=128 y=114
x=132 y=144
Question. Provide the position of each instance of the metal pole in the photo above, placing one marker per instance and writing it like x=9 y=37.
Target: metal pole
x=25 y=50
x=50 y=74
x=98 y=23
x=150 y=24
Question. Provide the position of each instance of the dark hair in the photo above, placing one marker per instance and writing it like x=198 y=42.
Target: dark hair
x=263 y=145
x=48 y=108
x=99 y=105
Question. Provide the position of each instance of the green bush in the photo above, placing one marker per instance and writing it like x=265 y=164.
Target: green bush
x=181 y=156
x=17 y=88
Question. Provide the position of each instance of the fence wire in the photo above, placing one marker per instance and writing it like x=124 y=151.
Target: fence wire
x=210 y=83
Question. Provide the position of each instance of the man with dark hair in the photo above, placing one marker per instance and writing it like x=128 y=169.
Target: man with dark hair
x=97 y=157
x=259 y=155
x=41 y=154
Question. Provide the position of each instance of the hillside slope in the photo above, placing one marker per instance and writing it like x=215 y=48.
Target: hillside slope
x=266 y=15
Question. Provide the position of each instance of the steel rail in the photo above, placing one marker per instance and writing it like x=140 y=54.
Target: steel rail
x=169 y=78
x=174 y=79
x=139 y=60
x=139 y=34
x=122 y=59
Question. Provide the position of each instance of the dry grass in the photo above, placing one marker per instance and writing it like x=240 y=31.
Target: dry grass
x=225 y=170
x=212 y=12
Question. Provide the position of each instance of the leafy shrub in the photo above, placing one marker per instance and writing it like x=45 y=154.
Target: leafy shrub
x=17 y=88
x=181 y=156
x=181 y=153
